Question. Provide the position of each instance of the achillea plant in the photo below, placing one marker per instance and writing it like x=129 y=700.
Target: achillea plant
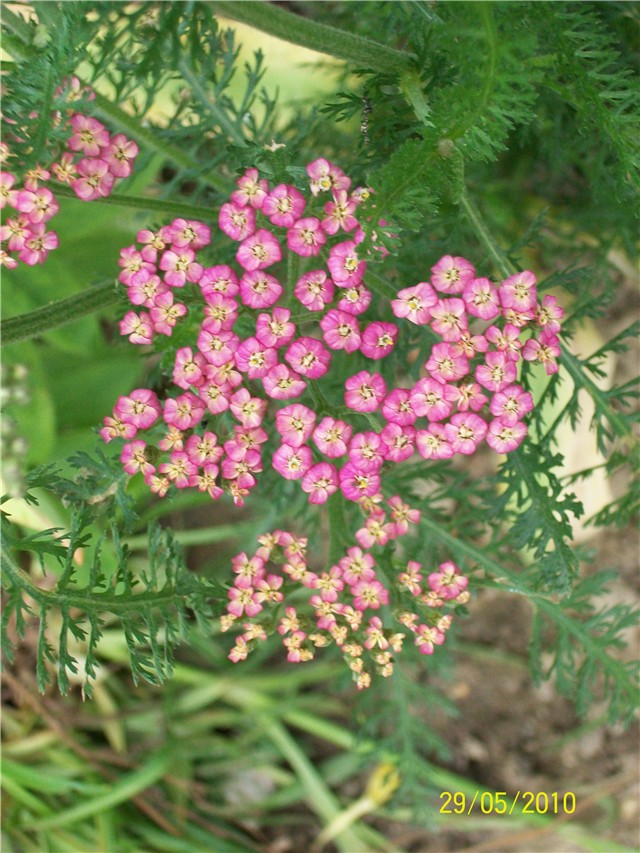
x=359 y=324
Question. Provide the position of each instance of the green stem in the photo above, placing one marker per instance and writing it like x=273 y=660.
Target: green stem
x=354 y=49
x=24 y=327
x=503 y=265
x=171 y=208
x=339 y=533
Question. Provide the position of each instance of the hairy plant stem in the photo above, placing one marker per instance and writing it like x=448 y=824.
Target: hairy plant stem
x=31 y=325
x=172 y=208
x=296 y=29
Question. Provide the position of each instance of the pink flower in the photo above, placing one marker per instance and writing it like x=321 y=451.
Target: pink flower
x=398 y=408
x=506 y=340
x=340 y=330
x=549 y=314
x=511 y=404
x=481 y=299
x=116 y=428
x=356 y=483
x=259 y=289
x=402 y=515
x=503 y=437
x=183 y=412
x=275 y=329
x=448 y=583
x=237 y=222
x=144 y=288
x=446 y=363
x=376 y=531
x=295 y=424
x=331 y=437
x=305 y=237
x=354 y=300
x=16 y=232
x=314 y=290
x=283 y=205
x=95 y=181
x=247 y=409
x=7 y=261
x=134 y=266
x=165 y=313
x=65 y=171
x=202 y=449
x=433 y=399
x=367 y=451
x=364 y=391
x=89 y=136
x=292 y=462
x=433 y=443
x=449 y=318
x=141 y=408
x=251 y=190
x=497 y=371
x=180 y=267
x=320 y=482
x=325 y=176
x=138 y=327
x=545 y=351
x=330 y=584
x=519 y=293
x=254 y=359
x=282 y=383
x=243 y=601
x=399 y=442
x=217 y=347
x=378 y=340
x=357 y=566
x=221 y=311
x=451 y=275
x=464 y=432
x=346 y=268
x=258 y=251
x=189 y=234
x=39 y=205
x=470 y=396
x=410 y=579
x=219 y=279
x=38 y=245
x=414 y=303
x=369 y=595
x=7 y=194
x=133 y=459
x=120 y=154
x=339 y=213
x=308 y=357
x=214 y=391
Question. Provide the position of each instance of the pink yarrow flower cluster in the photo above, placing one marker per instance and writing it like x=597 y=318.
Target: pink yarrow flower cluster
x=344 y=604
x=469 y=392
x=92 y=162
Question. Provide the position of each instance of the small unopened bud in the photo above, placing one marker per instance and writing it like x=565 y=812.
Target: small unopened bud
x=446 y=148
x=41 y=36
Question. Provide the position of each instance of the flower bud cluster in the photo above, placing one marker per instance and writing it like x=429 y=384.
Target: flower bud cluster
x=368 y=616
x=91 y=164
x=469 y=393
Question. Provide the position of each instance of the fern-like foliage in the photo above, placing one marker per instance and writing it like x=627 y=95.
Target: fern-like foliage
x=154 y=605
